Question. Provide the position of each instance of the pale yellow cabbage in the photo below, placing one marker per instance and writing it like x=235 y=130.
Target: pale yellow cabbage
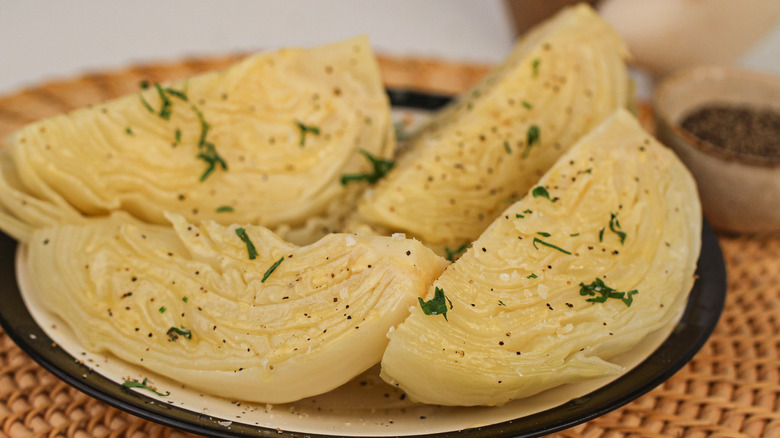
x=560 y=81
x=286 y=124
x=246 y=330
x=622 y=210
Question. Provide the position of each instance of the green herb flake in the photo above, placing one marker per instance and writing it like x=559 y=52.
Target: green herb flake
x=532 y=275
x=166 y=106
x=207 y=150
x=162 y=309
x=527 y=211
x=306 y=129
x=185 y=299
x=146 y=104
x=129 y=131
x=250 y=247
x=550 y=245
x=519 y=216
x=507 y=148
x=174 y=333
x=601 y=293
x=527 y=105
x=532 y=137
x=177 y=136
x=143 y=385
x=601 y=234
x=535 y=66
x=540 y=192
x=543 y=234
x=451 y=254
x=501 y=303
x=381 y=168
x=614 y=226
x=272 y=269
x=225 y=209
x=176 y=93
x=437 y=305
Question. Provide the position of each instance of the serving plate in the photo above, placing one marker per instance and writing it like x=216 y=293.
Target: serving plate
x=366 y=406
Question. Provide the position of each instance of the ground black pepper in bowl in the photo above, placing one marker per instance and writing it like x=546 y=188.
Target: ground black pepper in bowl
x=740 y=129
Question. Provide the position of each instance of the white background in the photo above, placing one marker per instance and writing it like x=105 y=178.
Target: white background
x=42 y=40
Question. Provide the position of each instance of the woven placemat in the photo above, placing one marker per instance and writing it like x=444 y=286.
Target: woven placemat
x=731 y=388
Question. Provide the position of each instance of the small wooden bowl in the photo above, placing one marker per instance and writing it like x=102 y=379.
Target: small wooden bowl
x=739 y=192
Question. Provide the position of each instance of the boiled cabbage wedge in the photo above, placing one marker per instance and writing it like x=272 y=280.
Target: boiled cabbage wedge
x=265 y=141
x=227 y=310
x=598 y=254
x=498 y=139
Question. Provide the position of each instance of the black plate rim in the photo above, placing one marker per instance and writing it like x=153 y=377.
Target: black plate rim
x=702 y=313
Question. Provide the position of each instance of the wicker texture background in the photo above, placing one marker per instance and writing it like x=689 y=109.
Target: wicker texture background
x=730 y=389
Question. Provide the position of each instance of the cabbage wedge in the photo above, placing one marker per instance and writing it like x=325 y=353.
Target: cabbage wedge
x=264 y=141
x=597 y=255
x=495 y=141
x=235 y=312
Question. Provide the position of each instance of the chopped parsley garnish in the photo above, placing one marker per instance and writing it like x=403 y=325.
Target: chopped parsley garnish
x=143 y=385
x=574 y=235
x=436 y=305
x=185 y=299
x=305 y=129
x=381 y=167
x=518 y=216
x=601 y=292
x=501 y=303
x=180 y=94
x=527 y=211
x=207 y=150
x=272 y=269
x=507 y=148
x=250 y=247
x=601 y=234
x=543 y=234
x=174 y=333
x=129 y=131
x=538 y=240
x=532 y=275
x=162 y=309
x=527 y=105
x=614 y=226
x=146 y=104
x=166 y=107
x=535 y=66
x=177 y=136
x=531 y=138
x=540 y=192
x=225 y=209
x=451 y=254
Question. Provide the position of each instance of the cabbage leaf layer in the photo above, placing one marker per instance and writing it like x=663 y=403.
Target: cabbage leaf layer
x=495 y=141
x=265 y=141
x=598 y=254
x=232 y=311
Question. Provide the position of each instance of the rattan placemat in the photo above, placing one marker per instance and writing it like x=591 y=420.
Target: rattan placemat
x=731 y=388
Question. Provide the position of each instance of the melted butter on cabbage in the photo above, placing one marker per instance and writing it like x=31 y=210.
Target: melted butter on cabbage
x=457 y=174
x=519 y=323
x=319 y=318
x=139 y=154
